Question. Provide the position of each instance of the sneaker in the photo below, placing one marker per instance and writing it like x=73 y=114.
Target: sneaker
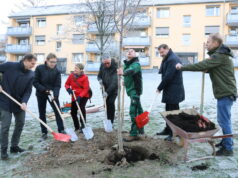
x=131 y=138
x=164 y=132
x=16 y=149
x=169 y=138
x=223 y=152
x=44 y=136
x=4 y=155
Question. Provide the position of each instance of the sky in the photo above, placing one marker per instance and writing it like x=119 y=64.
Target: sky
x=9 y=5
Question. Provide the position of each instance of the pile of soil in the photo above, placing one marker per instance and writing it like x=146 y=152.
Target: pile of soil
x=102 y=149
x=191 y=123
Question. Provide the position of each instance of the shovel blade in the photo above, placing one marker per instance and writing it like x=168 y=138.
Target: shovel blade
x=107 y=125
x=88 y=133
x=61 y=137
x=142 y=119
x=73 y=135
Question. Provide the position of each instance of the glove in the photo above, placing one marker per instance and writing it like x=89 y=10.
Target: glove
x=47 y=92
x=78 y=99
x=70 y=91
x=105 y=94
x=100 y=82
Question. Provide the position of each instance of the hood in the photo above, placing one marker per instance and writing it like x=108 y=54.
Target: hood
x=135 y=59
x=223 y=49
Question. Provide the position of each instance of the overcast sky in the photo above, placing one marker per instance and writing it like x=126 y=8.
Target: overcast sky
x=8 y=5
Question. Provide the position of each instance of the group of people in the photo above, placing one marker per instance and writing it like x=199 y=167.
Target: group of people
x=18 y=79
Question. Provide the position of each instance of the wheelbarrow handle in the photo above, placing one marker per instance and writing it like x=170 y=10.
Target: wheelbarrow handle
x=224 y=136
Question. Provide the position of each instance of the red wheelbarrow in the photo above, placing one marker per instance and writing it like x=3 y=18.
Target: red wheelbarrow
x=186 y=138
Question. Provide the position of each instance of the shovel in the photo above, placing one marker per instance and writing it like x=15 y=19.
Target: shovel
x=69 y=131
x=107 y=123
x=87 y=131
x=57 y=136
x=143 y=119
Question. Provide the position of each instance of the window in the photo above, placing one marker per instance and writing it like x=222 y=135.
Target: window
x=212 y=10
x=23 y=41
x=162 y=31
x=79 y=20
x=157 y=52
x=187 y=20
x=211 y=29
x=186 y=39
x=77 y=57
x=78 y=39
x=40 y=57
x=59 y=29
x=58 y=46
x=41 y=22
x=40 y=40
x=163 y=13
x=19 y=57
x=234 y=10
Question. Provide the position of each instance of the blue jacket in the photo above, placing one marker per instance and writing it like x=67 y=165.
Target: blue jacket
x=172 y=80
x=16 y=81
x=47 y=79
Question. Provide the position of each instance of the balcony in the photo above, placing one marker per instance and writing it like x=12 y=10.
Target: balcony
x=136 y=41
x=93 y=48
x=232 y=40
x=19 y=31
x=2 y=59
x=93 y=29
x=232 y=20
x=18 y=49
x=92 y=66
x=141 y=21
x=144 y=61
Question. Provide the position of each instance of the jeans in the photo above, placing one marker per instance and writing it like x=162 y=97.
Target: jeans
x=224 y=119
x=6 y=118
x=42 y=101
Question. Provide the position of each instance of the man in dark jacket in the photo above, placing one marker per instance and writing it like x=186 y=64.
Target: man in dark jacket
x=17 y=81
x=221 y=70
x=48 y=78
x=133 y=84
x=107 y=77
x=171 y=84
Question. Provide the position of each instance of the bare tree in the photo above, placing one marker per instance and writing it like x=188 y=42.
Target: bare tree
x=24 y=4
x=124 y=14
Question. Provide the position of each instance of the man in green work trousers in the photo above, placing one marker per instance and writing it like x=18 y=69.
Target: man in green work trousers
x=133 y=84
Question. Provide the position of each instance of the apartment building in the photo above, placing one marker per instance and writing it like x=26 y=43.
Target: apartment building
x=183 y=25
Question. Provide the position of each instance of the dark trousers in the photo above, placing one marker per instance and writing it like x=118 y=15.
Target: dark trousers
x=74 y=110
x=42 y=101
x=170 y=107
x=111 y=107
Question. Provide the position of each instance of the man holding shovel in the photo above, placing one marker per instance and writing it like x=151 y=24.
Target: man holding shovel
x=17 y=81
x=221 y=70
x=133 y=84
x=48 y=78
x=107 y=78
x=171 y=84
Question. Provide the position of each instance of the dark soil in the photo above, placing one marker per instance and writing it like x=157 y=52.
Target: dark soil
x=191 y=123
x=201 y=167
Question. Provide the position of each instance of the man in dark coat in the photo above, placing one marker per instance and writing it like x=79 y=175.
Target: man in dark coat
x=107 y=77
x=17 y=81
x=171 y=84
x=48 y=78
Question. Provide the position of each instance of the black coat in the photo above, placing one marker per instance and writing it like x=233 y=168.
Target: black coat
x=16 y=81
x=109 y=77
x=172 y=80
x=47 y=79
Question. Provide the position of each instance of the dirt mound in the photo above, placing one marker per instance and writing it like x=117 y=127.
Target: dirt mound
x=102 y=149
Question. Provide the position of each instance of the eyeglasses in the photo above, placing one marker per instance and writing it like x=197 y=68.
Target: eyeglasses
x=106 y=63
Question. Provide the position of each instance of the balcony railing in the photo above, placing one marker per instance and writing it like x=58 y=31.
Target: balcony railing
x=19 y=31
x=232 y=40
x=141 y=21
x=136 y=41
x=232 y=19
x=93 y=48
x=94 y=30
x=92 y=66
x=144 y=61
x=2 y=59
x=18 y=49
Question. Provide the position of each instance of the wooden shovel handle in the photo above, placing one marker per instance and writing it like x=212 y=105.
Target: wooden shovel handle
x=81 y=114
x=32 y=114
x=52 y=99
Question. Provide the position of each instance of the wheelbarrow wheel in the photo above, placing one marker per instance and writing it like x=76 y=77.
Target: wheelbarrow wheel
x=179 y=141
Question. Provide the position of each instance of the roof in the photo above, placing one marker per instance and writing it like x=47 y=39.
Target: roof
x=81 y=8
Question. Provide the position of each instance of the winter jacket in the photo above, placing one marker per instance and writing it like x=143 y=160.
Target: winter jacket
x=172 y=80
x=47 y=79
x=133 y=77
x=79 y=84
x=109 y=77
x=17 y=81
x=221 y=70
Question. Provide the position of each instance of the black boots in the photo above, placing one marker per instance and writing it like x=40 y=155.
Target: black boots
x=4 y=155
x=16 y=149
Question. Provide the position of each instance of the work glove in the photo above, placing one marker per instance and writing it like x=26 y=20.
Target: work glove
x=78 y=99
x=105 y=94
x=70 y=91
